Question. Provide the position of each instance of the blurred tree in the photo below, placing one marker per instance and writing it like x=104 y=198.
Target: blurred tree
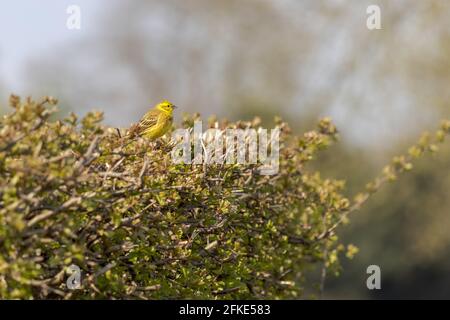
x=404 y=230
x=205 y=55
x=298 y=57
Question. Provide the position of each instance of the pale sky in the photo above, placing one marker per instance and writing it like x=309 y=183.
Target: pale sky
x=29 y=27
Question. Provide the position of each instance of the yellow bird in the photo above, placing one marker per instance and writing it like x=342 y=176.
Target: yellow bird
x=155 y=123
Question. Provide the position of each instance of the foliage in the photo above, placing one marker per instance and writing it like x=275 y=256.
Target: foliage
x=140 y=226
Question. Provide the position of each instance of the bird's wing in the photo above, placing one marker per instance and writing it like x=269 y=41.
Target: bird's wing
x=149 y=120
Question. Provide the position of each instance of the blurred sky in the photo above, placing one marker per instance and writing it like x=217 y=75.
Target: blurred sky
x=30 y=28
x=223 y=57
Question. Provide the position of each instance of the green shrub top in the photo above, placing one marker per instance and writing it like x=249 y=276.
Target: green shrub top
x=140 y=226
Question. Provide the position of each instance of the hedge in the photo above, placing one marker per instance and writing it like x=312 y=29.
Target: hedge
x=75 y=192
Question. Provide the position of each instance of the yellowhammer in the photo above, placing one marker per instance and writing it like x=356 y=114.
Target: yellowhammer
x=155 y=123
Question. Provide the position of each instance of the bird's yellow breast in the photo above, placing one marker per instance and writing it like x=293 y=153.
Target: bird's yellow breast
x=161 y=127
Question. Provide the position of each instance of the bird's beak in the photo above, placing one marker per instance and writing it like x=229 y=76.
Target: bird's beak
x=175 y=107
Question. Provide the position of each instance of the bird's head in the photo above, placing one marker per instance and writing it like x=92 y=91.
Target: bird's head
x=166 y=107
